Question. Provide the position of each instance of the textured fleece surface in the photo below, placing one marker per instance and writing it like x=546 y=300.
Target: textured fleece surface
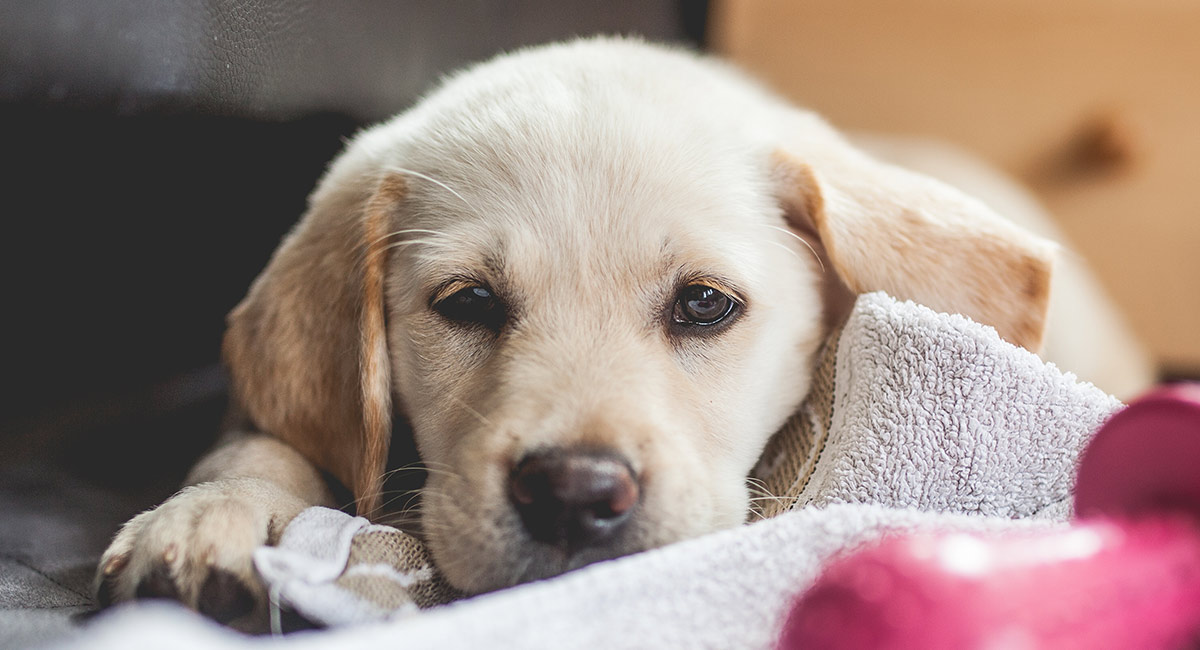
x=935 y=412
x=52 y=530
x=726 y=590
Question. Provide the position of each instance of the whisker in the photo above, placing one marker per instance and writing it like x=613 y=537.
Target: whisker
x=410 y=528
x=802 y=241
x=409 y=231
x=487 y=423
x=401 y=170
x=399 y=470
x=421 y=464
x=428 y=470
x=790 y=251
x=409 y=242
x=759 y=516
x=398 y=493
x=757 y=484
x=520 y=573
x=378 y=250
x=435 y=466
x=770 y=498
x=400 y=521
x=411 y=494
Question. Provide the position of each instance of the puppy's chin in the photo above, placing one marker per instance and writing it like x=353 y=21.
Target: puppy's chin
x=497 y=561
x=539 y=561
x=479 y=553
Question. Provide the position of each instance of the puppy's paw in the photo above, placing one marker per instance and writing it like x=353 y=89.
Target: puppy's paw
x=197 y=548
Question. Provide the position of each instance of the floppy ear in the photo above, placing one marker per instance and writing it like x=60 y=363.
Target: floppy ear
x=307 y=347
x=880 y=227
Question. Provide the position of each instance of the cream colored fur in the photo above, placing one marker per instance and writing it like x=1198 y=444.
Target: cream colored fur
x=585 y=183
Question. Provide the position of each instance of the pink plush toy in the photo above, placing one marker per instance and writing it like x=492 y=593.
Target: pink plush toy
x=1125 y=575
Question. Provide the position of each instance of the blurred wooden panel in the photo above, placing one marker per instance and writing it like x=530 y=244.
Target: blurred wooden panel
x=1094 y=104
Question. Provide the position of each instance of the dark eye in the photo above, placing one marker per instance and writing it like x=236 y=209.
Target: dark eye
x=700 y=304
x=473 y=305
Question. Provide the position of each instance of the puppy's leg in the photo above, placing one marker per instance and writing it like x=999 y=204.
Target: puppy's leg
x=196 y=547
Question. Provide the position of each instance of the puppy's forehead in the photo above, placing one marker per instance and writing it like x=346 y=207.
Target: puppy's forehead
x=590 y=184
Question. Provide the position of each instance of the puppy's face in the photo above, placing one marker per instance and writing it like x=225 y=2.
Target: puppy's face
x=592 y=277
x=592 y=345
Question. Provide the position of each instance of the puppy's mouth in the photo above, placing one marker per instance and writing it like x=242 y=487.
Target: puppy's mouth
x=565 y=508
x=542 y=561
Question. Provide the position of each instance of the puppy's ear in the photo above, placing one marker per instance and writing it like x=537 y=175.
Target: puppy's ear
x=307 y=347
x=879 y=227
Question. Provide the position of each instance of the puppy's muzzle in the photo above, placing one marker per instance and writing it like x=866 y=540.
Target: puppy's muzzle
x=574 y=498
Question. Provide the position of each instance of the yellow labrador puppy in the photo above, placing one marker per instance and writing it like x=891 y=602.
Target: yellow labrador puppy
x=589 y=278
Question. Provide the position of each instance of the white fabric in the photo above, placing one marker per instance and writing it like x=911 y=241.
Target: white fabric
x=311 y=554
x=938 y=424
x=722 y=591
x=936 y=412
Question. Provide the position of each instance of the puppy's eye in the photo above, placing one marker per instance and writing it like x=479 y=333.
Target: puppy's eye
x=474 y=305
x=700 y=304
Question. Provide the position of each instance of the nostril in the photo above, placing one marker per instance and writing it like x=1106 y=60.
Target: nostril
x=572 y=496
x=614 y=494
x=605 y=487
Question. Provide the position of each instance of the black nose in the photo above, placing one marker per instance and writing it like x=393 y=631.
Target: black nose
x=573 y=497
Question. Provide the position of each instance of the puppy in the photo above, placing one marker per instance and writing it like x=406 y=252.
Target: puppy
x=590 y=279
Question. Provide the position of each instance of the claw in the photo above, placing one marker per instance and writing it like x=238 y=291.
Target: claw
x=115 y=564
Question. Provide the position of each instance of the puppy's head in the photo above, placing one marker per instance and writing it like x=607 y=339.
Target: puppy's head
x=594 y=296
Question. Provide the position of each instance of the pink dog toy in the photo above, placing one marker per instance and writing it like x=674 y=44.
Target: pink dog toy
x=1127 y=575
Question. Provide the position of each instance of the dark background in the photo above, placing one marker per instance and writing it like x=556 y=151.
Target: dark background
x=155 y=152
